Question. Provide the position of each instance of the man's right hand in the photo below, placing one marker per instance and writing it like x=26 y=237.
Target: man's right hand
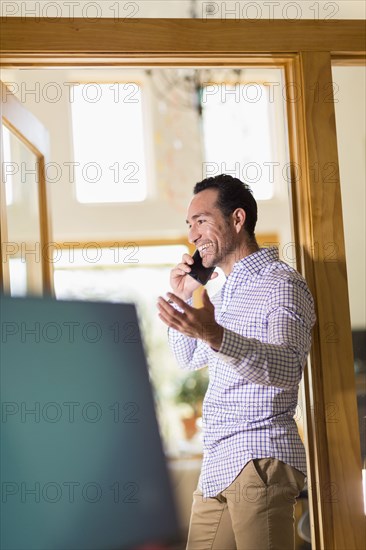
x=183 y=286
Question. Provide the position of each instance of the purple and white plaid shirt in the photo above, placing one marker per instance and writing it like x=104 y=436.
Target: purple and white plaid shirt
x=267 y=313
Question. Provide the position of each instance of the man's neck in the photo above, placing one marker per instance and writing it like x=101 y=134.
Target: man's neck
x=245 y=249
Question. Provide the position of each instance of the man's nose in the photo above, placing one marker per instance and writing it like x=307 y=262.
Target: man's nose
x=193 y=234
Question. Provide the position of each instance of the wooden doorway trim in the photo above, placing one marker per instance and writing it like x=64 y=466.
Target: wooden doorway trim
x=331 y=416
x=42 y=41
x=30 y=131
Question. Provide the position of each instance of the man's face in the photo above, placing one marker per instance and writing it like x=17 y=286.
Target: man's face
x=212 y=234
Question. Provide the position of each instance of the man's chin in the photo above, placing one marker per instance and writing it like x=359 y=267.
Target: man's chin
x=208 y=261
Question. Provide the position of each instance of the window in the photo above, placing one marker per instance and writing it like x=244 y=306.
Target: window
x=237 y=134
x=18 y=276
x=108 y=136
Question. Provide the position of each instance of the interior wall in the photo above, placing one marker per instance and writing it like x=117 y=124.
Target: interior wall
x=350 y=107
x=229 y=9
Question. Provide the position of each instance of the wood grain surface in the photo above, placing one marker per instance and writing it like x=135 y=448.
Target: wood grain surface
x=177 y=36
x=332 y=420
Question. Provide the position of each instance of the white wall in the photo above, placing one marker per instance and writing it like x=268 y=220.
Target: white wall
x=213 y=9
x=350 y=84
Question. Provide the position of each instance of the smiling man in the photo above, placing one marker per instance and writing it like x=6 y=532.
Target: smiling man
x=254 y=336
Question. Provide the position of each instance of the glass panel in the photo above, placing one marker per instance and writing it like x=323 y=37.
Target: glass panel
x=350 y=85
x=23 y=248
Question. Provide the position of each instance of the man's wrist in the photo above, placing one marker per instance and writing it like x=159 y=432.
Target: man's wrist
x=215 y=337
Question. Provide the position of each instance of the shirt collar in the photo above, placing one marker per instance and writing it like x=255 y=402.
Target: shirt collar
x=257 y=260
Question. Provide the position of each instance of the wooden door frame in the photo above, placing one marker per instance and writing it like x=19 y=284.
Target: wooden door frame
x=305 y=49
x=30 y=131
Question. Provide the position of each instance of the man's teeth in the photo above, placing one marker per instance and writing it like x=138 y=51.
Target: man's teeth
x=203 y=247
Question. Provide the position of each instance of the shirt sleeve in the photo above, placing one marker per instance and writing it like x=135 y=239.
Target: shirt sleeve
x=191 y=354
x=280 y=360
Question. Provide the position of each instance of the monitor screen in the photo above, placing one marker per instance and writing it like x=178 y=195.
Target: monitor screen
x=82 y=465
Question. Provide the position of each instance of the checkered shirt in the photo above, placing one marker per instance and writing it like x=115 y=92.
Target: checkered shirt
x=267 y=312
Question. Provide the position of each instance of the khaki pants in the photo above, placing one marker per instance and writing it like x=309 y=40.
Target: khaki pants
x=256 y=512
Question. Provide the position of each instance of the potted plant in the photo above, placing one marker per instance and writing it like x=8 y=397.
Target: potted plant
x=190 y=394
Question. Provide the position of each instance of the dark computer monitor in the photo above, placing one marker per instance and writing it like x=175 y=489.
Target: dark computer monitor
x=82 y=465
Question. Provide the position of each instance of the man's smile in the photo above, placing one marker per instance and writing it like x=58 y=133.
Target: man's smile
x=203 y=248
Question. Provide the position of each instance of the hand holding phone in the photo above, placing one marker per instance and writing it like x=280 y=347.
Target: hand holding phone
x=184 y=286
x=198 y=271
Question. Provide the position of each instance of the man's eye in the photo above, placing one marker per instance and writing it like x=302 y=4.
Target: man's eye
x=200 y=221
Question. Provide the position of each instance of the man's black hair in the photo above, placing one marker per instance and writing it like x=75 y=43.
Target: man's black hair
x=232 y=194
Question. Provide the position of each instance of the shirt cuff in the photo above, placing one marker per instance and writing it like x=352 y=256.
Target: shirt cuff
x=172 y=332
x=231 y=349
x=189 y=302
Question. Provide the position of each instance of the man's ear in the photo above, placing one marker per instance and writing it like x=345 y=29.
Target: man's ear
x=239 y=219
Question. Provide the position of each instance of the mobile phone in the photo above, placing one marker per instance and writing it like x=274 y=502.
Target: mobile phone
x=198 y=271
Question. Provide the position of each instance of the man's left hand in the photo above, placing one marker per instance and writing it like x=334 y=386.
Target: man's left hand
x=196 y=323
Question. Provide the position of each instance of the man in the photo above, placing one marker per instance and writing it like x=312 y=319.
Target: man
x=254 y=336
